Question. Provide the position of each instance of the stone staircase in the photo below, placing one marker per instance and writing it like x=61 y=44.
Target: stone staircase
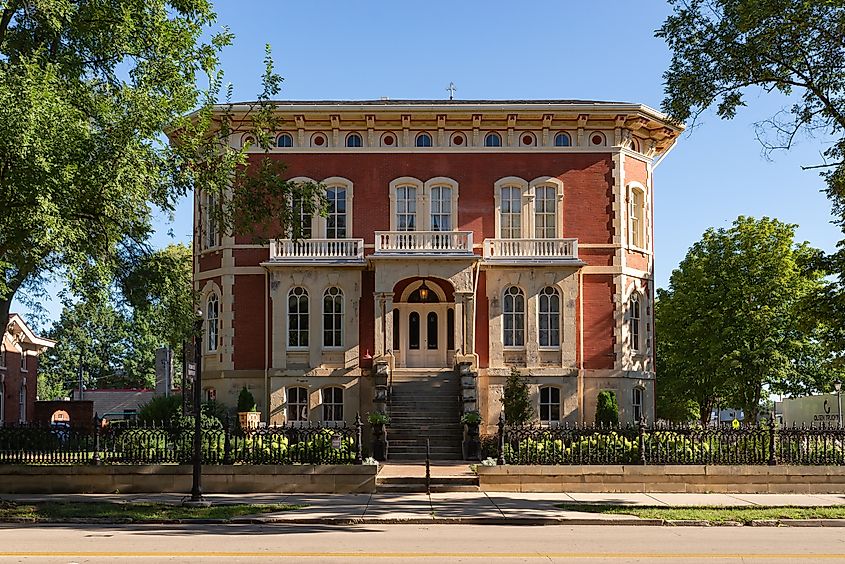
x=425 y=405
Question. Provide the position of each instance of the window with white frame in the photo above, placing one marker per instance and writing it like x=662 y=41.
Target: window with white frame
x=333 y=318
x=510 y=212
x=545 y=211
x=423 y=140
x=562 y=139
x=336 y=212
x=212 y=235
x=302 y=229
x=297 y=403
x=332 y=404
x=298 y=318
x=212 y=322
x=441 y=208
x=637 y=403
x=634 y=319
x=22 y=403
x=549 y=405
x=284 y=140
x=23 y=361
x=406 y=208
x=549 y=317
x=636 y=214
x=513 y=307
x=492 y=139
x=354 y=140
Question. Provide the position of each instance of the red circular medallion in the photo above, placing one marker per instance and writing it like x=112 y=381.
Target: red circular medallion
x=388 y=140
x=458 y=140
x=319 y=140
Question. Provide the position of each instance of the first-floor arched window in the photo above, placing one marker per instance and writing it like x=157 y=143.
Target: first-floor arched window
x=212 y=320
x=333 y=318
x=634 y=322
x=333 y=404
x=298 y=317
x=297 y=404
x=549 y=333
x=549 y=404
x=514 y=317
x=637 y=403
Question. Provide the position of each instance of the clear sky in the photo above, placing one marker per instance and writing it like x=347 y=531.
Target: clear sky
x=602 y=50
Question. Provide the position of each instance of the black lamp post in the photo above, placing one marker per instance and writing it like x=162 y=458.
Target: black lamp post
x=838 y=387
x=196 y=486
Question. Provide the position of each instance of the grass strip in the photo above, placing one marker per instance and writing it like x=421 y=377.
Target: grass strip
x=137 y=512
x=712 y=514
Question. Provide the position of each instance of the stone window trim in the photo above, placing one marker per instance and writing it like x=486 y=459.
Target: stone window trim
x=296 y=403
x=563 y=139
x=423 y=201
x=284 y=140
x=493 y=139
x=547 y=403
x=298 y=319
x=528 y=190
x=354 y=140
x=209 y=229
x=517 y=312
x=423 y=139
x=319 y=224
x=331 y=399
x=336 y=342
x=638 y=216
x=635 y=310
x=558 y=293
x=212 y=322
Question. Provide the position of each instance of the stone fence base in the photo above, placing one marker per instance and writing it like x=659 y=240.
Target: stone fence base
x=178 y=478
x=663 y=479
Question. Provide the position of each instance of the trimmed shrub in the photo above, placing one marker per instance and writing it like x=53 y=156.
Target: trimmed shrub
x=607 y=410
x=161 y=409
x=516 y=400
x=246 y=401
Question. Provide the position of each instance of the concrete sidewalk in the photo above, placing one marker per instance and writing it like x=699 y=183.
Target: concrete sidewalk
x=462 y=507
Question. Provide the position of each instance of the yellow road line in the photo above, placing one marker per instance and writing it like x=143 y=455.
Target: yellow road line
x=544 y=555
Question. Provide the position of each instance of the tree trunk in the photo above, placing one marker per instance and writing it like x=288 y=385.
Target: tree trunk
x=5 y=306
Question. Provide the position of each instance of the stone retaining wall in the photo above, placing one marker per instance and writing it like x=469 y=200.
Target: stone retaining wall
x=178 y=479
x=663 y=479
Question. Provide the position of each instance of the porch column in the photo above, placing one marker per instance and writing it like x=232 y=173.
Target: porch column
x=461 y=322
x=381 y=322
x=469 y=320
x=388 y=323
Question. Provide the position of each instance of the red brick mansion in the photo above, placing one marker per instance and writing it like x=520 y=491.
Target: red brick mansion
x=487 y=235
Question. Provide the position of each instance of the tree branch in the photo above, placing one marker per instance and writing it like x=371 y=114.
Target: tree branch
x=6 y=19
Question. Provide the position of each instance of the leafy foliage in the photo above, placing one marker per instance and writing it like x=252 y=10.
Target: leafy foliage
x=161 y=409
x=246 y=401
x=607 y=409
x=516 y=399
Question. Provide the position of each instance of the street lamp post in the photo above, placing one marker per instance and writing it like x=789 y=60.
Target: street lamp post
x=838 y=387
x=196 y=486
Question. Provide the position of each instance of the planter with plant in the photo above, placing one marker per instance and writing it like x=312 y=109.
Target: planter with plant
x=472 y=439
x=248 y=414
x=379 y=422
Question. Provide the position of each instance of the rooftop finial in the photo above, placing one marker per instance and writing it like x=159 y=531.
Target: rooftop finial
x=451 y=90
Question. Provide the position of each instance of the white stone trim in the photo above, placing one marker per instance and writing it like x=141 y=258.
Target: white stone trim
x=322 y=223
x=630 y=188
x=425 y=205
x=412 y=287
x=406 y=181
x=545 y=181
x=507 y=181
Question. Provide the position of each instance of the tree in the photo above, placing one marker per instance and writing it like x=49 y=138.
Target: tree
x=732 y=323
x=724 y=49
x=607 y=410
x=516 y=399
x=246 y=401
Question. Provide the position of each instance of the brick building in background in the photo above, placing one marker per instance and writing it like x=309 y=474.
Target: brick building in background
x=19 y=351
x=493 y=234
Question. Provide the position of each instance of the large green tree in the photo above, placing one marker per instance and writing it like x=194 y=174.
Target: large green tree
x=724 y=50
x=733 y=325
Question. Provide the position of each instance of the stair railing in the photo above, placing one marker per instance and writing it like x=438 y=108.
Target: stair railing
x=428 y=466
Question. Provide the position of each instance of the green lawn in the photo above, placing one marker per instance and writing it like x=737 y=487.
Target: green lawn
x=52 y=510
x=743 y=514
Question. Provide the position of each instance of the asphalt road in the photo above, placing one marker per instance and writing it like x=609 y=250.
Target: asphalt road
x=312 y=544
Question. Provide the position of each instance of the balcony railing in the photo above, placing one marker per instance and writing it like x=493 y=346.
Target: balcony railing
x=530 y=249
x=317 y=250
x=424 y=242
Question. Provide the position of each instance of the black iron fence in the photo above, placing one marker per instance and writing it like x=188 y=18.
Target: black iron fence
x=760 y=444
x=139 y=443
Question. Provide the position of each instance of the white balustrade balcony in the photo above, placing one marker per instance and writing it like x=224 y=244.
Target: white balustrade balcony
x=417 y=243
x=307 y=251
x=531 y=250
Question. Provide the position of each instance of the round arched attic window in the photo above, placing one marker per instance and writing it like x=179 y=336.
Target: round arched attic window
x=318 y=140
x=354 y=140
x=284 y=140
x=458 y=139
x=597 y=139
x=423 y=140
x=562 y=139
x=248 y=141
x=527 y=140
x=492 y=139
x=388 y=140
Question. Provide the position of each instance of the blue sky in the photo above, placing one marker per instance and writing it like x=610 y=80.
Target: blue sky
x=603 y=50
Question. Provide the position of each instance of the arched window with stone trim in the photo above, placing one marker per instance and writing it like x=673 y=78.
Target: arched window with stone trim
x=510 y=212
x=298 y=318
x=636 y=216
x=634 y=322
x=423 y=140
x=563 y=139
x=441 y=208
x=549 y=405
x=549 y=317
x=513 y=308
x=333 y=317
x=336 y=220
x=212 y=322
x=354 y=140
x=492 y=139
x=406 y=208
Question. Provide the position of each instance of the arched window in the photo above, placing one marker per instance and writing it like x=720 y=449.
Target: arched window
x=333 y=318
x=298 y=318
x=23 y=361
x=492 y=139
x=297 y=404
x=336 y=212
x=423 y=140
x=549 y=404
x=441 y=208
x=545 y=211
x=431 y=326
x=510 y=210
x=332 y=404
x=514 y=317
x=414 y=331
x=637 y=403
x=549 y=333
x=635 y=144
x=406 y=208
x=212 y=321
x=634 y=319
x=22 y=403
x=354 y=140
x=211 y=231
x=284 y=140
x=636 y=214
x=563 y=139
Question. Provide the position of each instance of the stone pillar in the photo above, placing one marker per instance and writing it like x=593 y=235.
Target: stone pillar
x=378 y=325
x=462 y=322
x=469 y=316
x=388 y=323
x=532 y=342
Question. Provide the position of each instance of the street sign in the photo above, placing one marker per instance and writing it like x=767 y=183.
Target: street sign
x=192 y=369
x=335 y=441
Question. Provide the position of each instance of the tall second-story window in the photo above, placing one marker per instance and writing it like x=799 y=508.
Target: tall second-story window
x=514 y=317
x=212 y=235
x=545 y=212
x=406 y=208
x=333 y=318
x=336 y=217
x=441 y=208
x=636 y=217
x=549 y=317
x=511 y=212
x=23 y=361
x=212 y=320
x=298 y=318
x=301 y=230
x=634 y=322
